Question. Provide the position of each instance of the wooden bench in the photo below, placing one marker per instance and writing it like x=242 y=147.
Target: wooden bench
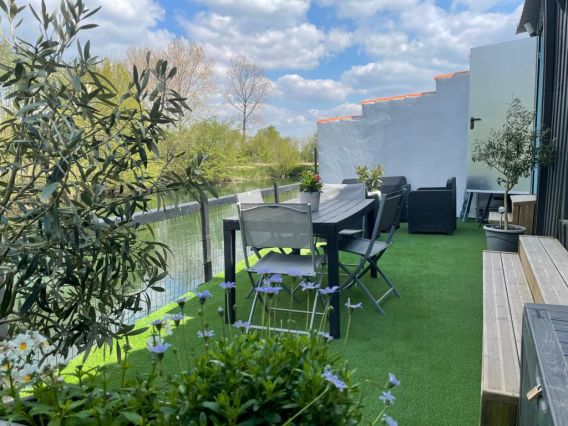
x=545 y=262
x=505 y=291
x=539 y=274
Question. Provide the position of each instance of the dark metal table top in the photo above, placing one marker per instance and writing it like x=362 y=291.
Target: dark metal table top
x=331 y=214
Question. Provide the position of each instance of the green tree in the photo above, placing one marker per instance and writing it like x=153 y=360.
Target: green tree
x=512 y=150
x=74 y=169
x=281 y=153
x=308 y=146
x=218 y=141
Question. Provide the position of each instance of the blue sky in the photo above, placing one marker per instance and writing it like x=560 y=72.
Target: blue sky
x=322 y=56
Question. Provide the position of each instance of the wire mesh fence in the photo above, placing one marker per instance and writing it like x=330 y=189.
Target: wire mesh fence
x=179 y=227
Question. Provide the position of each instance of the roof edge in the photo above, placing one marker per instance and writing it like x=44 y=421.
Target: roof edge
x=450 y=75
x=340 y=118
x=396 y=98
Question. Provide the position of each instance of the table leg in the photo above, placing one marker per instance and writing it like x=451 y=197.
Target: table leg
x=333 y=280
x=229 y=255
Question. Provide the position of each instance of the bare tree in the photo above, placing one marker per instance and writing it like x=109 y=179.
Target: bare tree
x=194 y=78
x=247 y=88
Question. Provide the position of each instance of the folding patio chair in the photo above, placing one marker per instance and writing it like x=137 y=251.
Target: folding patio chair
x=284 y=226
x=253 y=196
x=350 y=192
x=370 y=250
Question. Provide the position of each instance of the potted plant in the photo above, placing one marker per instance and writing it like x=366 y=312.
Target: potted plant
x=372 y=178
x=512 y=151
x=310 y=189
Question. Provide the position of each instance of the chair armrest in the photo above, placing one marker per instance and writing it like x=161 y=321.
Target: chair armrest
x=436 y=188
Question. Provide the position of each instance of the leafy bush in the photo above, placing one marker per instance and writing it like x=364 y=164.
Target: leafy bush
x=370 y=177
x=248 y=378
x=244 y=378
x=74 y=169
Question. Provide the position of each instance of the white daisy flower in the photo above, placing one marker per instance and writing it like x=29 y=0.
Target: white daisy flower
x=22 y=343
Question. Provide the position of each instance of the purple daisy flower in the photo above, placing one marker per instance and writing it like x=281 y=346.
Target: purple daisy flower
x=334 y=380
x=227 y=285
x=241 y=325
x=203 y=295
x=351 y=307
x=271 y=291
x=275 y=279
x=329 y=290
x=393 y=381
x=159 y=348
x=308 y=285
x=389 y=421
x=177 y=319
x=387 y=397
x=205 y=334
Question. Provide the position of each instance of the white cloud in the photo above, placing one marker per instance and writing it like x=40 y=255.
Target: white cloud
x=121 y=23
x=427 y=40
x=297 y=47
x=358 y=9
x=295 y=87
x=389 y=77
x=264 y=13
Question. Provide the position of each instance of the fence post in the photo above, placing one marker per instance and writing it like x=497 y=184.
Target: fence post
x=316 y=160
x=206 y=238
x=276 y=193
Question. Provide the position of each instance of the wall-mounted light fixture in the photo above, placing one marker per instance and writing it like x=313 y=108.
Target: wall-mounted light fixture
x=530 y=29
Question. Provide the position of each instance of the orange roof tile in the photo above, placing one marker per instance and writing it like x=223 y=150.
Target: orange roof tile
x=396 y=98
x=342 y=118
x=449 y=75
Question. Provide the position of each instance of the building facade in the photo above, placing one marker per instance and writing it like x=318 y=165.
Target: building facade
x=548 y=19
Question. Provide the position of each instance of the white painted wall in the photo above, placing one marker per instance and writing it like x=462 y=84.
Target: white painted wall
x=422 y=138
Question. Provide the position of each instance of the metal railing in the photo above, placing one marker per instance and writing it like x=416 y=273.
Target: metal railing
x=196 y=255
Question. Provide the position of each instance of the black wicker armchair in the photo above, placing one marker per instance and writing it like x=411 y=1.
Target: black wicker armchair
x=433 y=210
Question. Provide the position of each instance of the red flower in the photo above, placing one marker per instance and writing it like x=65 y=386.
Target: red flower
x=318 y=178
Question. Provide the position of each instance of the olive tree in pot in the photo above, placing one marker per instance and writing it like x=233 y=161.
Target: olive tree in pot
x=513 y=152
x=372 y=178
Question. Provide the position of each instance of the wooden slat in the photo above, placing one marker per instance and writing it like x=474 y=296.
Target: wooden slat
x=500 y=369
x=559 y=257
x=530 y=251
x=518 y=293
x=545 y=280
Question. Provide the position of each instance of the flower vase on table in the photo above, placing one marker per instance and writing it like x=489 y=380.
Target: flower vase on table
x=312 y=198
x=310 y=189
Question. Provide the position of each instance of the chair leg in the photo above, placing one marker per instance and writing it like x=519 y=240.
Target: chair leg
x=388 y=281
x=369 y=295
x=251 y=314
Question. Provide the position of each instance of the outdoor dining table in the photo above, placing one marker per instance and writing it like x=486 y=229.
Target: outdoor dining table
x=332 y=217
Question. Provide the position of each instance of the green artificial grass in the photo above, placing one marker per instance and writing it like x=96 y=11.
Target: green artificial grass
x=430 y=337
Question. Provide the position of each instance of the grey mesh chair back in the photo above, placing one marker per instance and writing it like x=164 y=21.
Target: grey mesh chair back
x=253 y=196
x=343 y=191
x=276 y=225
